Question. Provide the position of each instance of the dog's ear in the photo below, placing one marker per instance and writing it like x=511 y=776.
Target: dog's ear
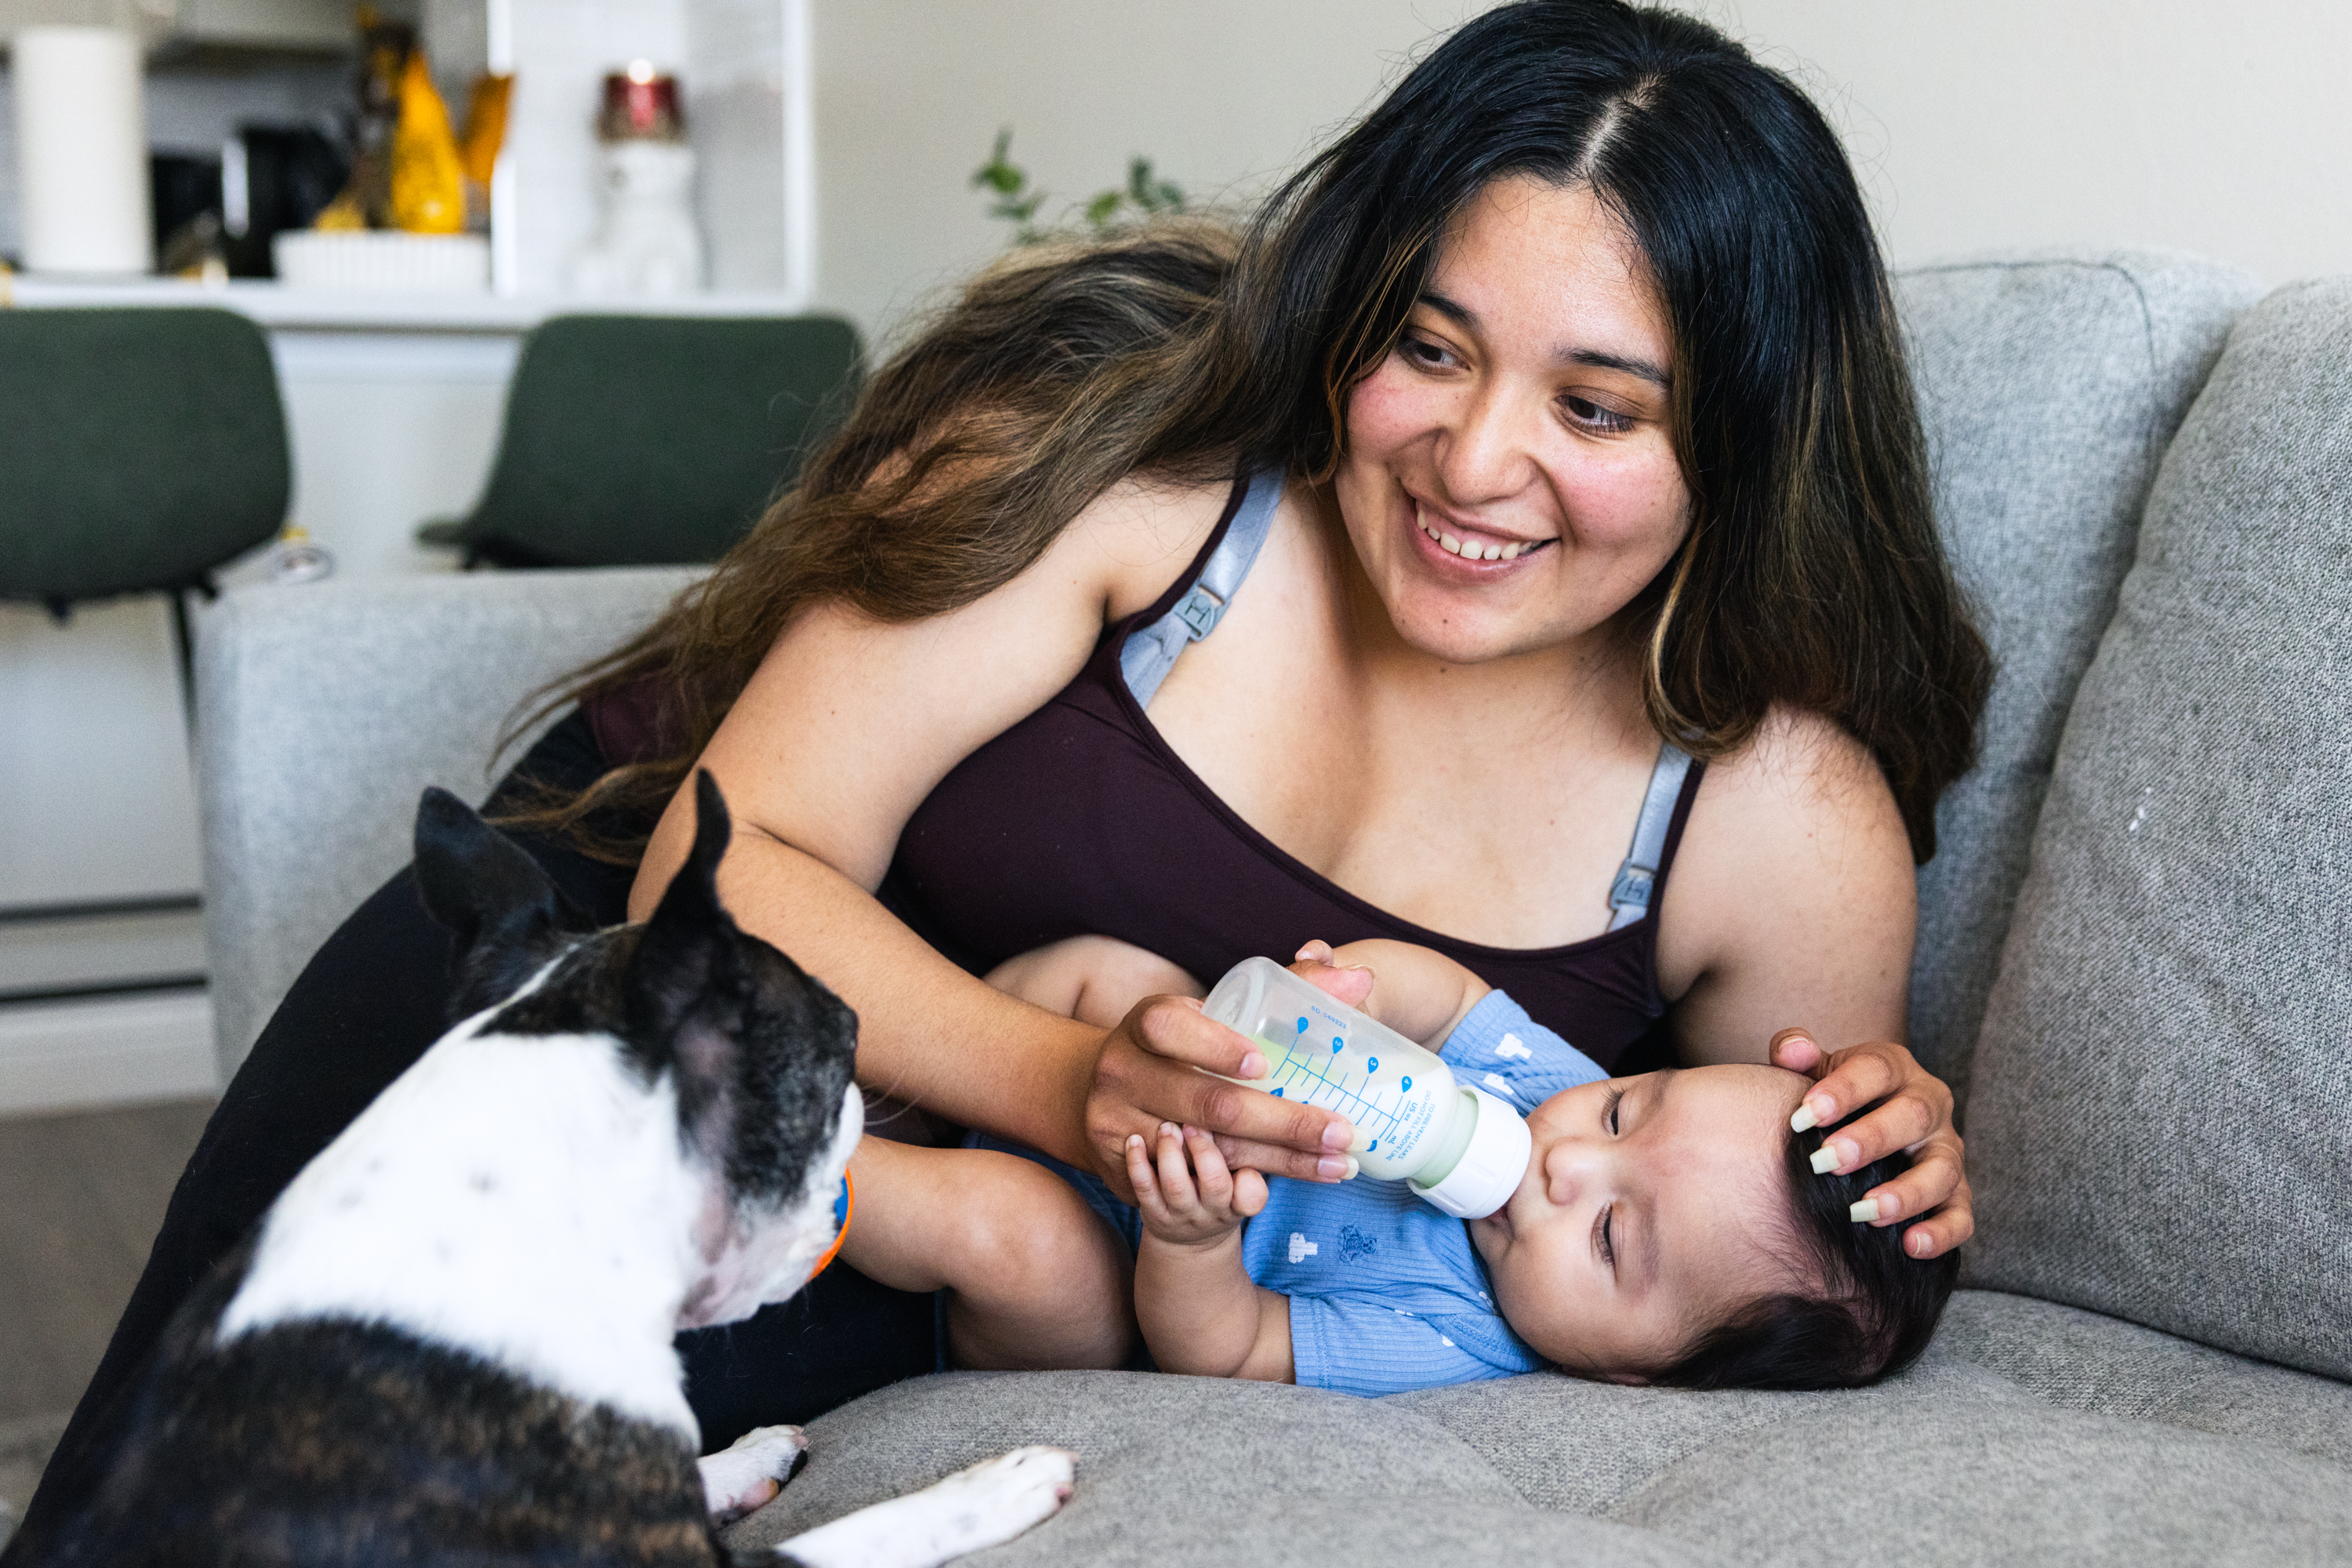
x=507 y=916
x=689 y=992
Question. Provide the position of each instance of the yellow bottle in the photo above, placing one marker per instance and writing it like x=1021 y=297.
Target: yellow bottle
x=428 y=179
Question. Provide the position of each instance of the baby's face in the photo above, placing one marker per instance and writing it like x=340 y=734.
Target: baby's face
x=1649 y=1210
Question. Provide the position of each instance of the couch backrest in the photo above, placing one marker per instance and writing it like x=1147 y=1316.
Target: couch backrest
x=325 y=708
x=2050 y=385
x=2161 y=1123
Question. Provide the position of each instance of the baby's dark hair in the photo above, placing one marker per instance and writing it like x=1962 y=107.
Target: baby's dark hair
x=1878 y=1307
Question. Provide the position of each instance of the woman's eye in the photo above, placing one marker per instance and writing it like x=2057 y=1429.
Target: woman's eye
x=1592 y=416
x=1423 y=352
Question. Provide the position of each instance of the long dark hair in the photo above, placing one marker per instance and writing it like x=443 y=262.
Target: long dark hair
x=1812 y=574
x=1876 y=1308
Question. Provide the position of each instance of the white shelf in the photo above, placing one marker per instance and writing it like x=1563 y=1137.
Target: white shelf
x=277 y=307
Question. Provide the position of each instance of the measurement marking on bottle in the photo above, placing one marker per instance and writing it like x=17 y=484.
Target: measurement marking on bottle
x=1297 y=1069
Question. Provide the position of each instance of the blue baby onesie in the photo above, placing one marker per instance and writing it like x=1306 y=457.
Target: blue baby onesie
x=1386 y=1293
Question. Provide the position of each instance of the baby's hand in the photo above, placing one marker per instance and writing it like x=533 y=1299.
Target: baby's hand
x=1194 y=1206
x=1417 y=991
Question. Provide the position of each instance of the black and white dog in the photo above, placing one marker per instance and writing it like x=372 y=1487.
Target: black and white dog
x=449 y=1340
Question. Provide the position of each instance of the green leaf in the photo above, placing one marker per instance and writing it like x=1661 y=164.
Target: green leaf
x=1103 y=208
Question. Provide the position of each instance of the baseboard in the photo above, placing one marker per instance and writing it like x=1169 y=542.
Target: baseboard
x=115 y=1051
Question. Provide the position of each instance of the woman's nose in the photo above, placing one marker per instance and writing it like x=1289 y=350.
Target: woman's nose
x=1487 y=454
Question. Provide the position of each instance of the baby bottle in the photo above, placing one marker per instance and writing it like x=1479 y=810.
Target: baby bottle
x=1460 y=1148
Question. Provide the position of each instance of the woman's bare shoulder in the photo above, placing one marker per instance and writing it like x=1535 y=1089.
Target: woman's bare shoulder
x=1798 y=773
x=1139 y=534
x=1793 y=883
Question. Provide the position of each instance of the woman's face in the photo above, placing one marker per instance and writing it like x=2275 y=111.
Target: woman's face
x=1511 y=481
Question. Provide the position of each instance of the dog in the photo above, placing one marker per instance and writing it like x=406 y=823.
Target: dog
x=449 y=1340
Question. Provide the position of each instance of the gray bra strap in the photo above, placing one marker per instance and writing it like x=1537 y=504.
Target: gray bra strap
x=1150 y=652
x=1629 y=896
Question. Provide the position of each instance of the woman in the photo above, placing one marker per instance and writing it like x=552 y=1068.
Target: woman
x=1570 y=418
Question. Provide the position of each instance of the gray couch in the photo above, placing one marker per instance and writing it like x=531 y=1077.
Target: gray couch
x=2134 y=959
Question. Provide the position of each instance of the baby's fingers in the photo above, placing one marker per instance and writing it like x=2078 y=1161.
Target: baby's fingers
x=1147 y=1196
x=1176 y=1176
x=1209 y=1172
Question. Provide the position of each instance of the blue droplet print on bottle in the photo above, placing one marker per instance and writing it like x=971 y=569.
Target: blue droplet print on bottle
x=1412 y=1121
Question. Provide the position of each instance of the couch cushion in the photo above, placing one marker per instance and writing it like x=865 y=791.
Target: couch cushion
x=2161 y=1122
x=325 y=710
x=1949 y=1463
x=2082 y=1360
x=2049 y=386
x=1175 y=1470
x=1564 y=1443
x=1996 y=1482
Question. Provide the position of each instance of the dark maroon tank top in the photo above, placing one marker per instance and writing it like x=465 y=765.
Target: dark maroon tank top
x=1079 y=819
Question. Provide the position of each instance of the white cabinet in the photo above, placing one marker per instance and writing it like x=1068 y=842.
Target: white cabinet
x=303 y=24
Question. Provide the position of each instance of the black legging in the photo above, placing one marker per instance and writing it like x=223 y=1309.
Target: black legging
x=369 y=1003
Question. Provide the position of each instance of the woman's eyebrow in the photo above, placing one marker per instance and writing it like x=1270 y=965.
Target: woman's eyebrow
x=1467 y=318
x=1599 y=361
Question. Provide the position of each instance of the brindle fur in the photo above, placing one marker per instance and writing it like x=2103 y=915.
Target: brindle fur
x=332 y=1440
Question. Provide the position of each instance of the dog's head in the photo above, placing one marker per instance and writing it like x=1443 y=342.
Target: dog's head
x=759 y=1053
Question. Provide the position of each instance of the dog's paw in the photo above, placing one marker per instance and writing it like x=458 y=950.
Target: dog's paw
x=1006 y=1495
x=750 y=1471
x=984 y=1506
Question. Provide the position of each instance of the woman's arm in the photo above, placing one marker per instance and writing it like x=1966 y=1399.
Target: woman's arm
x=843 y=729
x=1793 y=901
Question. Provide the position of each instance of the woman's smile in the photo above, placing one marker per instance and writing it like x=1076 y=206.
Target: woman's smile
x=1469 y=543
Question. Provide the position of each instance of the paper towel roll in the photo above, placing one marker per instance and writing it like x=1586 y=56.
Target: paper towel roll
x=81 y=150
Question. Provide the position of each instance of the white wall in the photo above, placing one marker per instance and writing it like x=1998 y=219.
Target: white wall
x=1974 y=123
x=1977 y=123
x=1223 y=95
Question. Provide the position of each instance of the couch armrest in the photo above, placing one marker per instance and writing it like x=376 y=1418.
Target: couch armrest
x=322 y=712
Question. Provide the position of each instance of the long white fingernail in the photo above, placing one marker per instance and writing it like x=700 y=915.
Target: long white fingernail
x=1864 y=1212
x=1825 y=1160
x=1353 y=1169
x=1802 y=1119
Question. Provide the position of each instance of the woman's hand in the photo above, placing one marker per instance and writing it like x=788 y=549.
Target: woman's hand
x=1916 y=1115
x=1145 y=1077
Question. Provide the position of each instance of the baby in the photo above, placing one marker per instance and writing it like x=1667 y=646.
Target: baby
x=1669 y=1227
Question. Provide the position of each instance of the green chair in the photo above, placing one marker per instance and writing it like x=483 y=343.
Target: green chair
x=651 y=440
x=140 y=450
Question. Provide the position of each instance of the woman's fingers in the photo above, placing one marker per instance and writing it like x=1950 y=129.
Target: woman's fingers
x=1902 y=1123
x=1148 y=1062
x=1915 y=1113
x=1145 y=1075
x=1277 y=1160
x=1855 y=1078
x=1795 y=1049
x=1176 y=1028
x=1945 y=1229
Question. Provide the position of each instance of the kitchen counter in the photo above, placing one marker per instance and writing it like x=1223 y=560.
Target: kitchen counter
x=281 y=309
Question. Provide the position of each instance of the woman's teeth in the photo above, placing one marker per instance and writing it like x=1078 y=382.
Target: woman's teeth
x=1453 y=546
